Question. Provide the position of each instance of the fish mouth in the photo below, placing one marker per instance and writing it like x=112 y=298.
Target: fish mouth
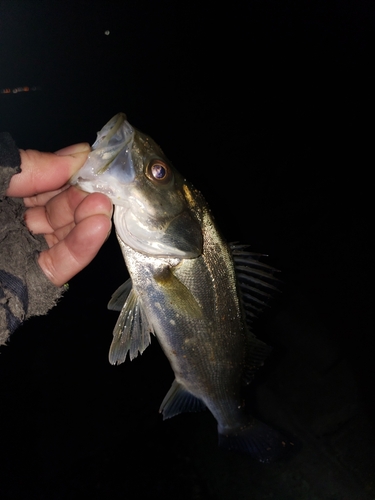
x=109 y=166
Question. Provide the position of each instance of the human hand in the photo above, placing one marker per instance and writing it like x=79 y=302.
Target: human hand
x=75 y=224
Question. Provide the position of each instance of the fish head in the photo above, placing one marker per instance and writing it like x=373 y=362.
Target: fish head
x=152 y=215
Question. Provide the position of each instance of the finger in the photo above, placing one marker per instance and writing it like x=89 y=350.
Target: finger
x=64 y=260
x=58 y=212
x=61 y=208
x=37 y=221
x=73 y=149
x=95 y=203
x=58 y=234
x=41 y=172
x=74 y=204
x=42 y=199
x=61 y=213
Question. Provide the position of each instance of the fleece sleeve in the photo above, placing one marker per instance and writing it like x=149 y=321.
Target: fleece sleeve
x=25 y=290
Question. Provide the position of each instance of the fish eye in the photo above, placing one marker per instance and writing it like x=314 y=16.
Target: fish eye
x=159 y=171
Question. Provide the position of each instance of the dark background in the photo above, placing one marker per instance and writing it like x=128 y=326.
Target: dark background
x=266 y=107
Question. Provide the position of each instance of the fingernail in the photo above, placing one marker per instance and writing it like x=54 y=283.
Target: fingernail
x=82 y=147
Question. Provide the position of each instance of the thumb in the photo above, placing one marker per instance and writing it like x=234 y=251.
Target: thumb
x=42 y=172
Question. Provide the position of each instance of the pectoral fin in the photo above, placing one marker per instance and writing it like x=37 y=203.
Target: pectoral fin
x=131 y=333
x=179 y=400
x=177 y=295
x=119 y=297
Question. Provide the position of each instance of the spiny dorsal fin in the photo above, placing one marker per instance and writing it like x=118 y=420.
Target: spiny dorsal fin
x=256 y=282
x=255 y=279
x=131 y=333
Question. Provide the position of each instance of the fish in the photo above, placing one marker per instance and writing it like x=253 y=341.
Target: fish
x=188 y=287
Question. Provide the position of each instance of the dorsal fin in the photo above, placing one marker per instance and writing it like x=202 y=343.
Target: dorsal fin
x=256 y=353
x=256 y=282
x=255 y=279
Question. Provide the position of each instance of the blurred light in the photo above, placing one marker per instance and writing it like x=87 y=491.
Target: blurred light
x=16 y=90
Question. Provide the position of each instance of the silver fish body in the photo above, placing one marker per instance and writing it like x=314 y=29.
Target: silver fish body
x=187 y=286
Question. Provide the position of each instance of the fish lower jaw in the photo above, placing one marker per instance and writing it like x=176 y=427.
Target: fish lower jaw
x=89 y=186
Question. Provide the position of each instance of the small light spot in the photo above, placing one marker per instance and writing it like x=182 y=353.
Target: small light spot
x=172 y=322
x=107 y=32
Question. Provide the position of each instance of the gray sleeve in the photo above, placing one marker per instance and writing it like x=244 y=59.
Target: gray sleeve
x=25 y=290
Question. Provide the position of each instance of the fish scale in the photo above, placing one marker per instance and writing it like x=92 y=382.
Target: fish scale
x=183 y=286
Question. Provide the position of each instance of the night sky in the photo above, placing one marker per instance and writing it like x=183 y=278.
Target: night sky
x=267 y=108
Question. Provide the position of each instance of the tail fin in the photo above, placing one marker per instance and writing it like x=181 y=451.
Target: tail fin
x=257 y=440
